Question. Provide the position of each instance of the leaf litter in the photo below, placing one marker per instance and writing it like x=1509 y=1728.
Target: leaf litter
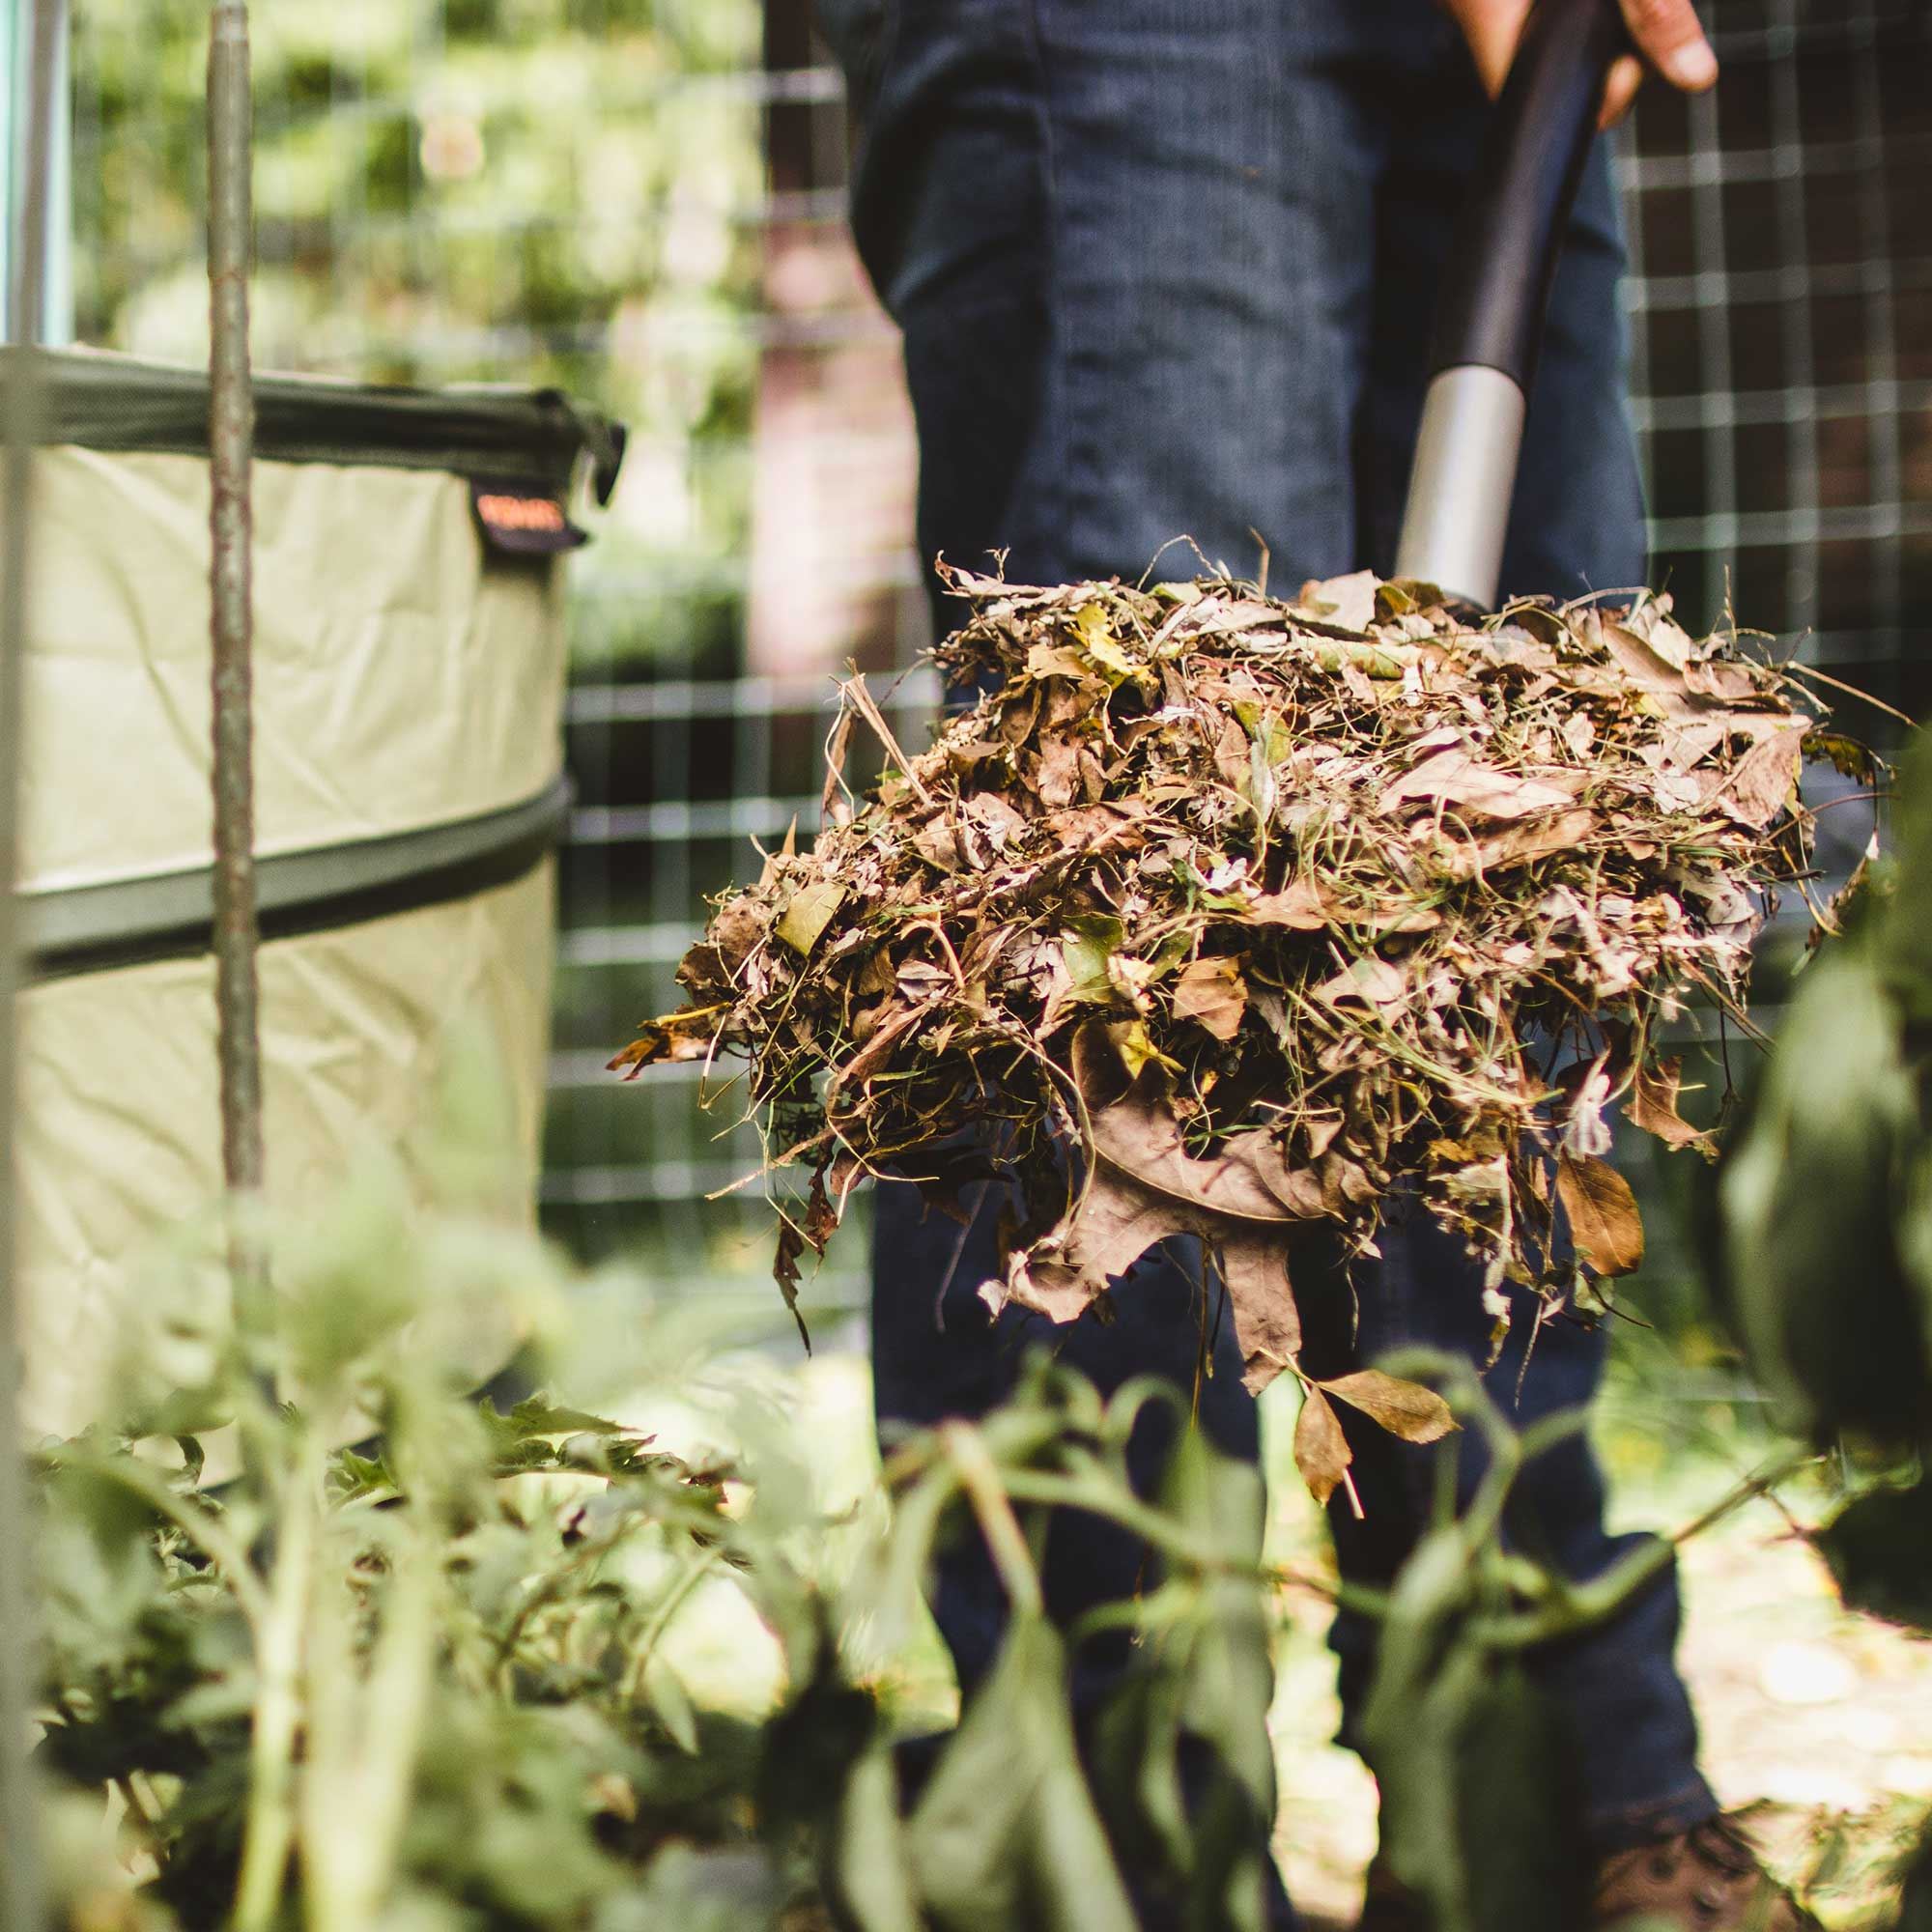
x=1221 y=915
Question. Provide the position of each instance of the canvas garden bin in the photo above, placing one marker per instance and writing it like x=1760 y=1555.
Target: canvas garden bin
x=409 y=789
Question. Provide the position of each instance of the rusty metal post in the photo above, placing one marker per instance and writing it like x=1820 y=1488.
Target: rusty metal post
x=231 y=452
x=22 y=1904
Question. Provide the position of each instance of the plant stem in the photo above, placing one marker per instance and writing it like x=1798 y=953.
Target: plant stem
x=1584 y=1606
x=365 y=1732
x=680 y=1595
x=1005 y=1540
x=269 y=1829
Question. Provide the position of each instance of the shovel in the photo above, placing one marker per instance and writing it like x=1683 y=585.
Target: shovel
x=1490 y=315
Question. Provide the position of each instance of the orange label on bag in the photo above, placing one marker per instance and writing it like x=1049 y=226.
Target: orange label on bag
x=521 y=512
x=516 y=520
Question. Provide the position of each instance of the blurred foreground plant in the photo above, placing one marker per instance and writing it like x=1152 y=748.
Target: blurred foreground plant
x=435 y=1681
x=425 y=1682
x=1820 y=1227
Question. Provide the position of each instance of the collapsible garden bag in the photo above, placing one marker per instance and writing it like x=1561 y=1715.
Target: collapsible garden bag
x=408 y=673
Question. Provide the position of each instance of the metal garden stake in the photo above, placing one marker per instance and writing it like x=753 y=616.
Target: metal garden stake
x=231 y=450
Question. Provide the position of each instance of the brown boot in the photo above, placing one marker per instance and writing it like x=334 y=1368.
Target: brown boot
x=1704 y=1879
x=1707 y=1879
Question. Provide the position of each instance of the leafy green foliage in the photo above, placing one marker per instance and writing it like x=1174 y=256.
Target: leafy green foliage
x=1184 y=1713
x=1477 y=1818
x=1879 y=1550
x=1024 y=1821
x=435 y=1678
x=435 y=1672
x=1825 y=1197
x=1821 y=1222
x=1007 y=1832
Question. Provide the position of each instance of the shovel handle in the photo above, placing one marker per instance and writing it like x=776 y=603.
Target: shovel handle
x=1489 y=320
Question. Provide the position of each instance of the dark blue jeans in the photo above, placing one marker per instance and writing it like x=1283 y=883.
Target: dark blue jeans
x=1166 y=268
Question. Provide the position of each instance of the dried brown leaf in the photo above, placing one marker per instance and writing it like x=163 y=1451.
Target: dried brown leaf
x=1261 y=1291
x=812 y=910
x=686 y=1035
x=1321 y=1452
x=939 y=845
x=1368 y=982
x=1639 y=661
x=1521 y=844
x=1249 y=1179
x=1456 y=777
x=1349 y=602
x=1653 y=1107
x=1765 y=780
x=1300 y=906
x=1604 y=1218
x=1213 y=993
x=1406 y=1410
x=740 y=925
x=1058 y=777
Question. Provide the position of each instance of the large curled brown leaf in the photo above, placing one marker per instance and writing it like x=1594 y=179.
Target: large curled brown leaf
x=1144 y=1188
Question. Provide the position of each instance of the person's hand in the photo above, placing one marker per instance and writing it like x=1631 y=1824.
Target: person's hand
x=1666 y=33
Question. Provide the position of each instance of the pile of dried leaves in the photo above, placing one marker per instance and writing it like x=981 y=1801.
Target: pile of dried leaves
x=1217 y=914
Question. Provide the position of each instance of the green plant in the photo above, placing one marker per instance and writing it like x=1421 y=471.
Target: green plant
x=1819 y=1228
x=442 y=1679
x=429 y=1677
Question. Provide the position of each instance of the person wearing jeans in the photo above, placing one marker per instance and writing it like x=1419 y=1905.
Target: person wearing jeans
x=1166 y=270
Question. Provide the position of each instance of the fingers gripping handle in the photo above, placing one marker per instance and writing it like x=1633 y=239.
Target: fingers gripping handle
x=1489 y=316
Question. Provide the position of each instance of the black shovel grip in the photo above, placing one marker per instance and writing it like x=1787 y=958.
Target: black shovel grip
x=1510 y=232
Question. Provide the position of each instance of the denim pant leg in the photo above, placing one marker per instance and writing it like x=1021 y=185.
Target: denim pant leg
x=1576 y=526
x=1615 y=1687
x=936 y=1352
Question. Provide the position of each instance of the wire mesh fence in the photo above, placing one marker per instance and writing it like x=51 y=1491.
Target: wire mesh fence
x=642 y=200
x=1782 y=301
